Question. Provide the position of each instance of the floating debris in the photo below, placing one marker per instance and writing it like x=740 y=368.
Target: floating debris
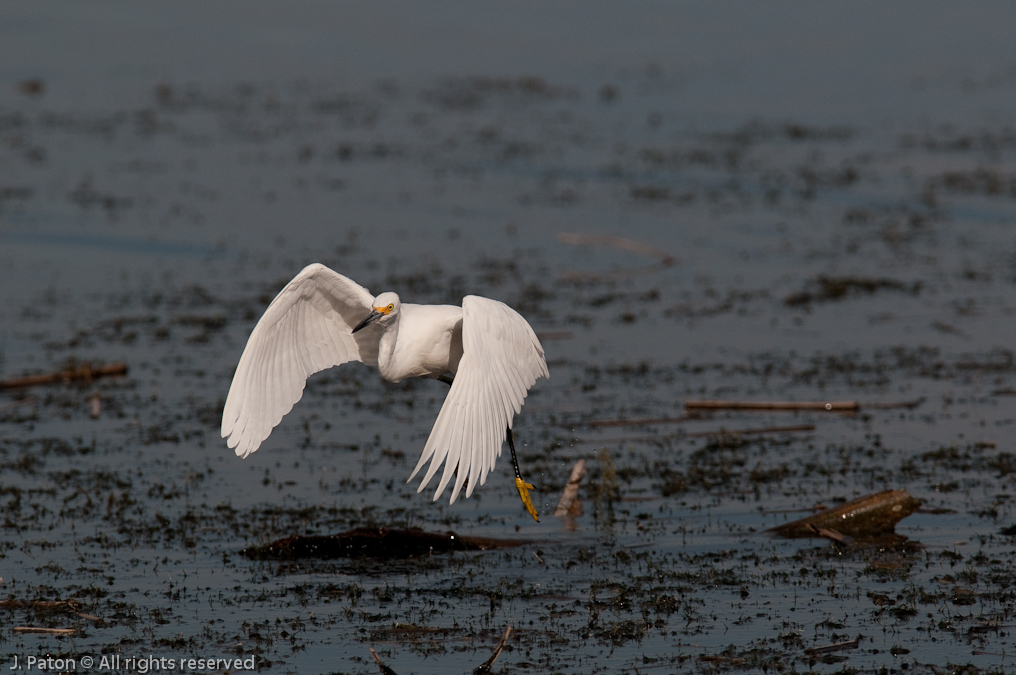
x=568 y=504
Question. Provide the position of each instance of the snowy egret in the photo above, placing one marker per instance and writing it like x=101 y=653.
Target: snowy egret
x=485 y=350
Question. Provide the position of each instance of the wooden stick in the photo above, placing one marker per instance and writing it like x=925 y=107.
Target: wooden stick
x=83 y=372
x=571 y=490
x=41 y=629
x=836 y=406
x=485 y=667
x=836 y=647
x=385 y=670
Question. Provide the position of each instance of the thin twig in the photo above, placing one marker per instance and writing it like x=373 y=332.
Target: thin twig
x=385 y=670
x=835 y=647
x=83 y=372
x=42 y=629
x=485 y=667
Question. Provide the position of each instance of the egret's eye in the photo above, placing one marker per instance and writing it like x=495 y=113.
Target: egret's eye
x=391 y=306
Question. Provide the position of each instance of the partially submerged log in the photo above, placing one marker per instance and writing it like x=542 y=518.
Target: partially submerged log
x=374 y=542
x=866 y=517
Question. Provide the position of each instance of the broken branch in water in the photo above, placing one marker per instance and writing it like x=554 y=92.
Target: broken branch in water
x=571 y=490
x=485 y=667
x=385 y=670
x=868 y=516
x=42 y=629
x=665 y=259
x=84 y=371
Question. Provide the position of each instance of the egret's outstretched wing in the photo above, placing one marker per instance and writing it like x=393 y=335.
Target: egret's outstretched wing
x=307 y=328
x=501 y=359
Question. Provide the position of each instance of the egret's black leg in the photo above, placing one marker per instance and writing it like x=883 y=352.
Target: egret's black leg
x=520 y=484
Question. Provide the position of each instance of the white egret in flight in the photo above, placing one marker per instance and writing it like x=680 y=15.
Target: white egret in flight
x=485 y=350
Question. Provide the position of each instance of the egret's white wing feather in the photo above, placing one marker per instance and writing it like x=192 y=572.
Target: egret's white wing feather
x=501 y=359
x=306 y=328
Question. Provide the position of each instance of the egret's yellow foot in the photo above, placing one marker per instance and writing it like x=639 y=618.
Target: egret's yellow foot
x=524 y=488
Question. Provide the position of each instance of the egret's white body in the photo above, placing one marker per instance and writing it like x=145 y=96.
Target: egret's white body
x=323 y=319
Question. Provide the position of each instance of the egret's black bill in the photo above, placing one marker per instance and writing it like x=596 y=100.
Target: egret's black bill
x=369 y=319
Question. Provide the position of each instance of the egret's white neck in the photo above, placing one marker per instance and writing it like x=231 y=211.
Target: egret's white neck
x=386 y=351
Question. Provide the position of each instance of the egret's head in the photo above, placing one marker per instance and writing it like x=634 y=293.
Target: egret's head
x=385 y=309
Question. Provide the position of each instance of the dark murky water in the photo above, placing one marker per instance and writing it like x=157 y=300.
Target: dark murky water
x=838 y=193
